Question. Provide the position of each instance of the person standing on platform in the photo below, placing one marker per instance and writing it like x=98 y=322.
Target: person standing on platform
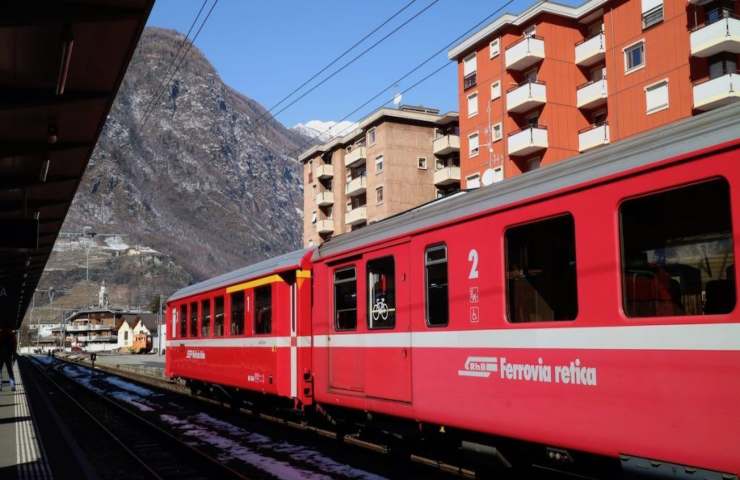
x=8 y=354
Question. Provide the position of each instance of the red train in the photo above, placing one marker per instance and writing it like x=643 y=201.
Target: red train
x=584 y=308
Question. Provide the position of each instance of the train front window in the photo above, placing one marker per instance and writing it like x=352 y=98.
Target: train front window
x=381 y=293
x=183 y=320
x=345 y=299
x=677 y=252
x=437 y=296
x=205 y=326
x=193 y=319
x=263 y=309
x=237 y=313
x=541 y=271
x=218 y=317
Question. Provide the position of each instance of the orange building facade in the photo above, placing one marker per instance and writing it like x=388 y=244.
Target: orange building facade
x=554 y=81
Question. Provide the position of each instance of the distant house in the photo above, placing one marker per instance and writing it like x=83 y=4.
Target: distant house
x=133 y=334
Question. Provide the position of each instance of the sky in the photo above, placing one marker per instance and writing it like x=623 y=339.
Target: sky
x=265 y=49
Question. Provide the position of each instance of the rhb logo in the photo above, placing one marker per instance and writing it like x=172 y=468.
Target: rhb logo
x=479 y=367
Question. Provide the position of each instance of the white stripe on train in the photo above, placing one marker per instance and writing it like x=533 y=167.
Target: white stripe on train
x=716 y=336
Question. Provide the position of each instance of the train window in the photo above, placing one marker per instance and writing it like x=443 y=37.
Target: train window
x=183 y=320
x=263 y=309
x=237 y=313
x=218 y=317
x=193 y=320
x=437 y=296
x=205 y=325
x=677 y=252
x=345 y=299
x=381 y=293
x=541 y=271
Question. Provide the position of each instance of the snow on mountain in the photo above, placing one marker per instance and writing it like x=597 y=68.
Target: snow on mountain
x=324 y=131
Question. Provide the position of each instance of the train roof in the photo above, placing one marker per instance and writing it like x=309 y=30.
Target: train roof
x=684 y=136
x=288 y=261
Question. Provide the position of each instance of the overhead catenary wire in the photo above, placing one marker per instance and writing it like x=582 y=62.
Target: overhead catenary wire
x=160 y=84
x=180 y=63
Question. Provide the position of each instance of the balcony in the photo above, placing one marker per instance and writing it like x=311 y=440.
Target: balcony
x=716 y=92
x=525 y=97
x=447 y=176
x=446 y=144
x=528 y=140
x=325 y=226
x=720 y=36
x=324 y=199
x=591 y=51
x=593 y=136
x=524 y=53
x=591 y=94
x=356 y=186
x=325 y=170
x=357 y=155
x=469 y=81
x=356 y=216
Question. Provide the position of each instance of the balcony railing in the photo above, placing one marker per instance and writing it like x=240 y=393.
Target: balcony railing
x=525 y=52
x=716 y=92
x=722 y=35
x=88 y=328
x=526 y=96
x=527 y=140
x=356 y=186
x=355 y=216
x=593 y=136
x=325 y=170
x=446 y=144
x=357 y=155
x=325 y=226
x=447 y=176
x=469 y=81
x=324 y=199
x=591 y=94
x=591 y=50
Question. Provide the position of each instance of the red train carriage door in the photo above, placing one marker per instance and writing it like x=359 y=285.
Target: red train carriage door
x=346 y=355
x=388 y=341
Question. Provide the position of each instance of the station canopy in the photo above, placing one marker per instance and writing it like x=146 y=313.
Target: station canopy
x=61 y=64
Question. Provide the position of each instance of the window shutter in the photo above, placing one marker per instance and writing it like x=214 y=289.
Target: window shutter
x=648 y=5
x=495 y=90
x=656 y=96
x=473 y=143
x=498 y=174
x=470 y=65
x=473 y=104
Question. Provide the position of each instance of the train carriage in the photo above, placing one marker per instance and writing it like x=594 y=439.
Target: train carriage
x=245 y=331
x=588 y=306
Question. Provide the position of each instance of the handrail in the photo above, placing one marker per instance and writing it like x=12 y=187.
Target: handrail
x=593 y=126
x=709 y=79
x=589 y=38
x=726 y=14
x=526 y=82
x=531 y=127
x=524 y=37
x=590 y=82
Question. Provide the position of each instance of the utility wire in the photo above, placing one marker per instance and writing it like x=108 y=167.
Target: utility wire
x=353 y=60
x=328 y=65
x=182 y=60
x=159 y=86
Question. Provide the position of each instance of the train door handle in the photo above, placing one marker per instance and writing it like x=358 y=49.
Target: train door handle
x=404 y=353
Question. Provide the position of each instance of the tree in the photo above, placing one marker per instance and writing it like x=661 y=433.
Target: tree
x=155 y=306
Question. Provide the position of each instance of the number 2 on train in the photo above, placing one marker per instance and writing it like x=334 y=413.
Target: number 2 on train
x=473 y=259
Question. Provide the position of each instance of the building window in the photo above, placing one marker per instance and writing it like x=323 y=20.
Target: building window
x=379 y=164
x=381 y=293
x=473 y=147
x=634 y=56
x=237 y=313
x=677 y=252
x=496 y=90
x=193 y=319
x=498 y=174
x=314 y=217
x=421 y=163
x=125 y=336
x=472 y=181
x=263 y=309
x=437 y=294
x=379 y=195
x=470 y=66
x=541 y=271
x=497 y=132
x=345 y=299
x=218 y=317
x=652 y=13
x=722 y=64
x=205 y=324
x=472 y=104
x=656 y=97
x=371 y=136
x=494 y=48
x=183 y=320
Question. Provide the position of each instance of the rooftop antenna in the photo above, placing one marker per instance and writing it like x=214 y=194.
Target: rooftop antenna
x=397 y=97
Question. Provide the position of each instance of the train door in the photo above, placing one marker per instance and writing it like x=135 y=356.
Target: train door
x=346 y=352
x=388 y=341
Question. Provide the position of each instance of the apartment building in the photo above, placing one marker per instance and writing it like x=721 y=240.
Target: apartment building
x=395 y=159
x=554 y=81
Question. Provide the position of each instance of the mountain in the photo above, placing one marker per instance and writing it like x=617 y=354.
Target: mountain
x=324 y=131
x=208 y=181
